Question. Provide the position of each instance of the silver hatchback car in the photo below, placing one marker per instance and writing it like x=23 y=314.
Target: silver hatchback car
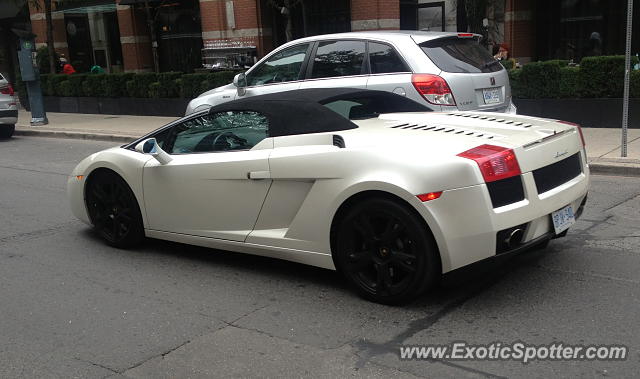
x=8 y=109
x=445 y=71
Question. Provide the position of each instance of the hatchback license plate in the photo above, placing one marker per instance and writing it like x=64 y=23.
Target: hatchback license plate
x=491 y=95
x=563 y=219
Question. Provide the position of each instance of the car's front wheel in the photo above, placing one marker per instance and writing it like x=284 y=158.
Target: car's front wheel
x=6 y=131
x=113 y=209
x=385 y=251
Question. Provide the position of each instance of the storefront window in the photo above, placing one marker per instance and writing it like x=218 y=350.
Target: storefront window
x=573 y=29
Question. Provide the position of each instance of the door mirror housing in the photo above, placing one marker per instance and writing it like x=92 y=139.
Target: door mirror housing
x=150 y=147
x=240 y=81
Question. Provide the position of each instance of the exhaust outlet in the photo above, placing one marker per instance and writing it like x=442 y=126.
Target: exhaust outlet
x=514 y=238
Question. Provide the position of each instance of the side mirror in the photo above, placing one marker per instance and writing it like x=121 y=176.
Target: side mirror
x=150 y=146
x=240 y=81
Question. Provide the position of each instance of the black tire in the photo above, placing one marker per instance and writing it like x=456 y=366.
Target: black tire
x=386 y=251
x=113 y=210
x=6 y=131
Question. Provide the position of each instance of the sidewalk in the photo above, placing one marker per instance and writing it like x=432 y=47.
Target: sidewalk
x=603 y=145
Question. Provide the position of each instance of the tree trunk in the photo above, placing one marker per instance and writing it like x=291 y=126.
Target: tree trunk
x=51 y=49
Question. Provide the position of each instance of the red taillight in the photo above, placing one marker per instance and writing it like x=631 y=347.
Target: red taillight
x=8 y=90
x=429 y=196
x=495 y=162
x=433 y=88
x=577 y=126
x=465 y=35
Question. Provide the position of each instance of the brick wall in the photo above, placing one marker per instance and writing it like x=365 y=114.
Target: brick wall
x=375 y=14
x=137 y=54
x=241 y=25
x=519 y=31
x=39 y=27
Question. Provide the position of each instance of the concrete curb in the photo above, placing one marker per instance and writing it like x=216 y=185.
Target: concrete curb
x=74 y=135
x=614 y=168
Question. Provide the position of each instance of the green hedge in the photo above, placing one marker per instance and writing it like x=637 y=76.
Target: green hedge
x=115 y=85
x=162 y=85
x=596 y=77
x=94 y=85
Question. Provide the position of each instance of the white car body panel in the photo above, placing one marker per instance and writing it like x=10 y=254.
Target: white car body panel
x=207 y=199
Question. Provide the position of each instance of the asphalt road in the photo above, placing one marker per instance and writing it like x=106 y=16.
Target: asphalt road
x=72 y=307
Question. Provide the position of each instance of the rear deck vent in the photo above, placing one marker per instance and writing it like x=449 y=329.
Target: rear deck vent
x=398 y=126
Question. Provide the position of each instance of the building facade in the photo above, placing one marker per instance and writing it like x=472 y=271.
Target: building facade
x=182 y=35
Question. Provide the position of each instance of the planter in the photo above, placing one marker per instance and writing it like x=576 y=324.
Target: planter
x=590 y=113
x=117 y=106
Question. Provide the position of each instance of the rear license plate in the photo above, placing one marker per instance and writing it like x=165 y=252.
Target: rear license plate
x=491 y=95
x=563 y=219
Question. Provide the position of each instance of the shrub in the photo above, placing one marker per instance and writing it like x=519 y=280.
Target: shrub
x=155 y=90
x=541 y=79
x=570 y=82
x=168 y=86
x=42 y=60
x=115 y=85
x=54 y=82
x=94 y=85
x=191 y=84
x=76 y=87
x=603 y=76
x=138 y=86
x=634 y=91
x=65 y=88
x=514 y=81
x=508 y=64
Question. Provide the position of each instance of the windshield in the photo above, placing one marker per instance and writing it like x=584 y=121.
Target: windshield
x=460 y=55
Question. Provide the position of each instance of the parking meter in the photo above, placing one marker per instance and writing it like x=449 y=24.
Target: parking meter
x=31 y=76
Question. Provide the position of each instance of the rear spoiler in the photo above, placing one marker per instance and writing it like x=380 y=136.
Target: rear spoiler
x=420 y=38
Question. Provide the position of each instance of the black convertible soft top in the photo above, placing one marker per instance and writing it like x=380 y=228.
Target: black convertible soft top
x=303 y=111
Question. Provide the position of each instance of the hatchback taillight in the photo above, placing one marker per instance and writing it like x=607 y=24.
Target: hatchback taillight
x=7 y=90
x=495 y=162
x=433 y=88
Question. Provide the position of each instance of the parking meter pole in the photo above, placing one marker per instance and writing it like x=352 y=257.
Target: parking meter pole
x=31 y=77
x=36 y=101
x=627 y=72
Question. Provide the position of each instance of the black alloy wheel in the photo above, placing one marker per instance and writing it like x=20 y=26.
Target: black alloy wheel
x=385 y=250
x=113 y=209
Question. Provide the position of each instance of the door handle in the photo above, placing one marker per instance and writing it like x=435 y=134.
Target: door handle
x=257 y=175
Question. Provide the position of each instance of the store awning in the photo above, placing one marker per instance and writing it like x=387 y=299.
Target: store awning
x=86 y=6
x=134 y=2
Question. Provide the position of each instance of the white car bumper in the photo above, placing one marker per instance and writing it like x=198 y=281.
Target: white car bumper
x=468 y=225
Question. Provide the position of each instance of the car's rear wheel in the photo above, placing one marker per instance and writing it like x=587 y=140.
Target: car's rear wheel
x=384 y=249
x=6 y=131
x=113 y=209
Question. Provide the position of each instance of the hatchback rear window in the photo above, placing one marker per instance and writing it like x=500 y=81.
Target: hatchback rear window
x=460 y=55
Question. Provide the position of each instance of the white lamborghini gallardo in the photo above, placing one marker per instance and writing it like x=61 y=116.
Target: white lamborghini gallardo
x=366 y=182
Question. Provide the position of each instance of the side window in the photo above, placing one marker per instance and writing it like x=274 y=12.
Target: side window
x=384 y=59
x=222 y=131
x=281 y=67
x=338 y=58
